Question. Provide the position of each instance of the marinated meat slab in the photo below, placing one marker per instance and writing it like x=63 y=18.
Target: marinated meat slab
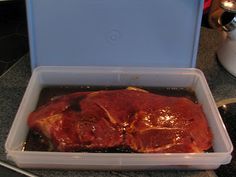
x=128 y=118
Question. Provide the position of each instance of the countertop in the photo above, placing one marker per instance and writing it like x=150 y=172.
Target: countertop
x=13 y=84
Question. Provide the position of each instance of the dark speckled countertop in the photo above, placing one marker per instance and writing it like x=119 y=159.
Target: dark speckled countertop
x=13 y=84
x=221 y=83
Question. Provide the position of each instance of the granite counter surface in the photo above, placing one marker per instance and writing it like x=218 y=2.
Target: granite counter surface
x=13 y=84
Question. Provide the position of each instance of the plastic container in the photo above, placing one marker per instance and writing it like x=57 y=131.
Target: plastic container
x=120 y=76
x=114 y=32
x=119 y=41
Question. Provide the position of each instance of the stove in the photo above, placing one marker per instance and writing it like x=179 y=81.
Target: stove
x=227 y=109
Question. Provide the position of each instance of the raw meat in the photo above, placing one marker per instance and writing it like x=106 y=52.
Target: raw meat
x=128 y=118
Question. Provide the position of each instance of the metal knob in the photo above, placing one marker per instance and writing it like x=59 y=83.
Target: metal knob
x=228 y=21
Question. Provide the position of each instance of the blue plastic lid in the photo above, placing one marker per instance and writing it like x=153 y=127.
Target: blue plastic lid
x=114 y=32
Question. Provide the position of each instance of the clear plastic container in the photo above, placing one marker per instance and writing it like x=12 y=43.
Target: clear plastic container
x=118 y=76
